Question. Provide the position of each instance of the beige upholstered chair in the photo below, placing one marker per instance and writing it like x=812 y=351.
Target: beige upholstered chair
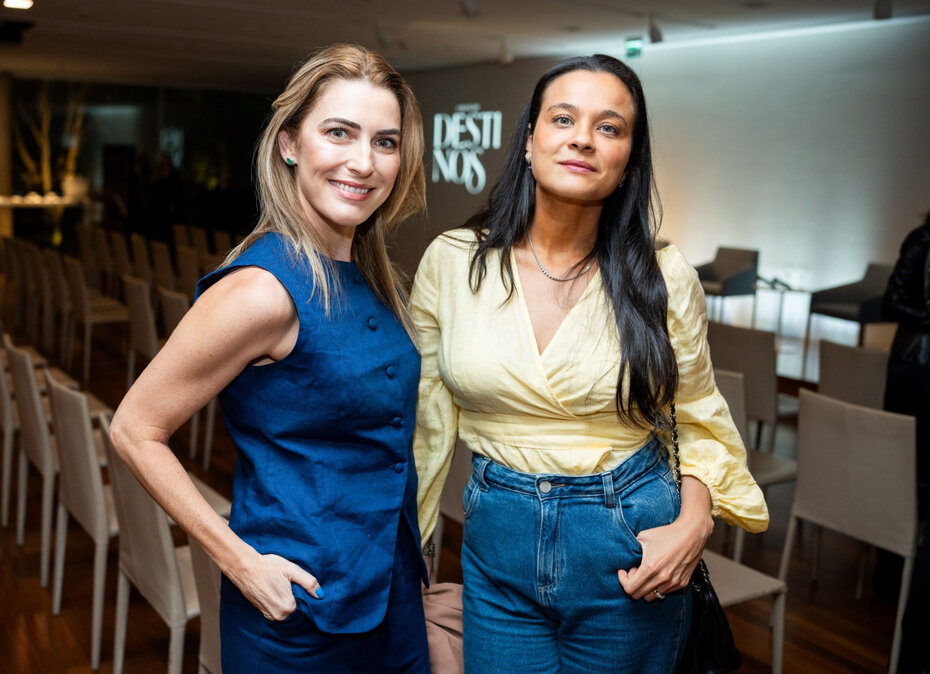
x=207 y=579
x=846 y=449
x=9 y=420
x=752 y=353
x=61 y=302
x=222 y=242
x=736 y=583
x=36 y=448
x=102 y=311
x=766 y=467
x=122 y=265
x=149 y=560
x=450 y=501
x=188 y=270
x=143 y=338
x=199 y=243
x=732 y=272
x=162 y=269
x=853 y=374
x=141 y=265
x=82 y=495
x=180 y=235
x=859 y=302
x=104 y=259
x=174 y=306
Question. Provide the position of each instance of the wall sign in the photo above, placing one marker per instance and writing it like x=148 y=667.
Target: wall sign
x=459 y=140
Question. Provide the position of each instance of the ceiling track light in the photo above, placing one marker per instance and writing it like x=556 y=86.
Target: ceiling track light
x=655 y=33
x=882 y=10
x=17 y=4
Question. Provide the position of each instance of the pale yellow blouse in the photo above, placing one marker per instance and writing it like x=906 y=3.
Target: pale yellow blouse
x=484 y=379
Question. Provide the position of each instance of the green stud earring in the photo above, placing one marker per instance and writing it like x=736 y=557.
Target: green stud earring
x=290 y=161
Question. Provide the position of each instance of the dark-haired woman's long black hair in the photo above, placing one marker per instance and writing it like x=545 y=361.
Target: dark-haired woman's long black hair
x=625 y=248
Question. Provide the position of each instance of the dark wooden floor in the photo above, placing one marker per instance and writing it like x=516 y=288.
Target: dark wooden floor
x=827 y=629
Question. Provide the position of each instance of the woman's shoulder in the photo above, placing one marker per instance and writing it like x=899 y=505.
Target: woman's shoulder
x=675 y=268
x=454 y=246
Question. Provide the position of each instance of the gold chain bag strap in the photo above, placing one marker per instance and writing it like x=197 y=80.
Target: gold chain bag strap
x=710 y=647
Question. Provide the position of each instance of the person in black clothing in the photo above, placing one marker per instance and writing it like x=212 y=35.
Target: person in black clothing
x=907 y=301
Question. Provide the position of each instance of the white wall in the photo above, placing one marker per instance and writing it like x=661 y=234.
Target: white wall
x=811 y=147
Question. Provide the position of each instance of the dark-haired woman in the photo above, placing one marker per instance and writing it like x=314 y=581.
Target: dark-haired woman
x=554 y=342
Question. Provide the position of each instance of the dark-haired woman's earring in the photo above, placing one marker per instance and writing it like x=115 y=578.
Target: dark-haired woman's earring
x=529 y=160
x=290 y=161
x=620 y=184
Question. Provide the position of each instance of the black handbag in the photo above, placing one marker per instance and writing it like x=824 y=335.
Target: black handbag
x=710 y=648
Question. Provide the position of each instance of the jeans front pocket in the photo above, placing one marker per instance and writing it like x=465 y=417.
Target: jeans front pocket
x=648 y=503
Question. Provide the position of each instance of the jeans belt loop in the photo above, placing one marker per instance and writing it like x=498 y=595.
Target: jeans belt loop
x=609 y=498
x=483 y=463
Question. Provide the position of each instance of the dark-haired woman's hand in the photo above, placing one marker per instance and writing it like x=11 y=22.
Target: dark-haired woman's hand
x=671 y=552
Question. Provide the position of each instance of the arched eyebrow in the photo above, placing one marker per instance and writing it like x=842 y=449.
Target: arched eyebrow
x=613 y=114
x=354 y=125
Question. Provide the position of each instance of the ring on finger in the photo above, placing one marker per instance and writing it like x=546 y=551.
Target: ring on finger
x=658 y=594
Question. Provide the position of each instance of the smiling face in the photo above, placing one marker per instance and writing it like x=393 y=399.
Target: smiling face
x=346 y=154
x=583 y=136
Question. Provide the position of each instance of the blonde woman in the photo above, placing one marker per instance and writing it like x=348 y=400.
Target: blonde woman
x=304 y=334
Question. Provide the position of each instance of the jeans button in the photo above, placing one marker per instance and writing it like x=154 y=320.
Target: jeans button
x=545 y=486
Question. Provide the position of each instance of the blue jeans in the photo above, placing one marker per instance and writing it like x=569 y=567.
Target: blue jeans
x=540 y=557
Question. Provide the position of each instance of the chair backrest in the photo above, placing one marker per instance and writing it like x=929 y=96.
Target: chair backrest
x=852 y=374
x=56 y=278
x=876 y=277
x=188 y=270
x=120 y=254
x=857 y=472
x=163 y=270
x=751 y=352
x=80 y=486
x=207 y=579
x=173 y=307
x=199 y=241
x=102 y=250
x=146 y=549
x=7 y=418
x=143 y=337
x=33 y=425
x=80 y=303
x=732 y=387
x=179 y=232
x=729 y=261
x=222 y=242
x=141 y=267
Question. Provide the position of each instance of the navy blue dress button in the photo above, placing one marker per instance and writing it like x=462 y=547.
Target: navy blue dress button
x=398 y=468
x=390 y=372
x=373 y=323
x=397 y=422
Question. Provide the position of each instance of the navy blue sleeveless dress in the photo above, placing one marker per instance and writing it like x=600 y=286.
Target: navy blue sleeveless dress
x=325 y=477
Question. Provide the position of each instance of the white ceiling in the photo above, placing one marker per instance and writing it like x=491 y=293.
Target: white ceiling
x=253 y=44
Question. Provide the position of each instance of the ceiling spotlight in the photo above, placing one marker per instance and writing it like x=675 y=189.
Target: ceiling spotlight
x=655 y=34
x=469 y=7
x=17 y=4
x=882 y=10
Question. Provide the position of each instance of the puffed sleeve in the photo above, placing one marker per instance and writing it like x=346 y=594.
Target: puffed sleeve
x=437 y=414
x=710 y=446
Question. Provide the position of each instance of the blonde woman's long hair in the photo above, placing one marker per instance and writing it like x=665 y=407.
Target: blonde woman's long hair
x=279 y=207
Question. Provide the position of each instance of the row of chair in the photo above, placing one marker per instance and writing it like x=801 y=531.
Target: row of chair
x=63 y=434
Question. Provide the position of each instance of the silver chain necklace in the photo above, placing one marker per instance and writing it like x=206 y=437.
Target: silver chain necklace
x=550 y=275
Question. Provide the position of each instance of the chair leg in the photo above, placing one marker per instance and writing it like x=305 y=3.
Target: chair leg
x=778 y=631
x=100 y=579
x=87 y=330
x=208 y=433
x=786 y=550
x=48 y=501
x=902 y=604
x=815 y=551
x=7 y=477
x=61 y=540
x=21 y=497
x=807 y=337
x=865 y=555
x=739 y=542
x=176 y=650
x=752 y=323
x=771 y=443
x=122 y=613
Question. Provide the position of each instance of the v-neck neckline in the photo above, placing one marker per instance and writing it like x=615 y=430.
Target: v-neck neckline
x=518 y=284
